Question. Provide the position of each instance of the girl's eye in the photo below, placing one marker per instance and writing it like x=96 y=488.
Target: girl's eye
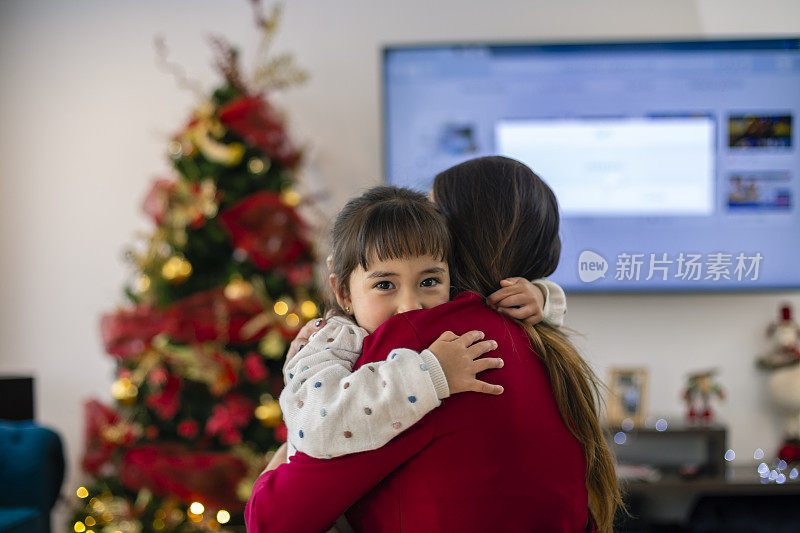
x=384 y=285
x=430 y=282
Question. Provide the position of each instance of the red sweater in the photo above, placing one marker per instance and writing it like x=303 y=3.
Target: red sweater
x=476 y=463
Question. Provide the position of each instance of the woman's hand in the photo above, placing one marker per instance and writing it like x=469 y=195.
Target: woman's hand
x=458 y=355
x=520 y=299
x=302 y=337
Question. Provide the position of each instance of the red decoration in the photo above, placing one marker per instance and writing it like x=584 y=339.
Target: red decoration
x=254 y=368
x=158 y=376
x=188 y=428
x=167 y=401
x=174 y=470
x=266 y=228
x=166 y=194
x=156 y=203
x=299 y=273
x=128 y=332
x=98 y=447
x=281 y=433
x=229 y=417
x=202 y=317
x=253 y=119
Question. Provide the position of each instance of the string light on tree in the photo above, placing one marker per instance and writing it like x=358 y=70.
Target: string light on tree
x=308 y=309
x=176 y=270
x=292 y=320
x=237 y=289
x=256 y=165
x=269 y=413
x=281 y=307
x=272 y=345
x=291 y=197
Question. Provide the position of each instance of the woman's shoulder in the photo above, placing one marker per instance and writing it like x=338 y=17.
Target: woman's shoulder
x=466 y=312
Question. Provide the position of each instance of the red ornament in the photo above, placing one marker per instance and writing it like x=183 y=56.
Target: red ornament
x=254 y=368
x=266 y=228
x=172 y=469
x=158 y=376
x=299 y=273
x=228 y=418
x=253 y=119
x=167 y=401
x=188 y=428
x=281 y=433
x=156 y=203
x=128 y=332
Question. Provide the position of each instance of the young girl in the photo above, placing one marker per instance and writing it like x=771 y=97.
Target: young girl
x=330 y=410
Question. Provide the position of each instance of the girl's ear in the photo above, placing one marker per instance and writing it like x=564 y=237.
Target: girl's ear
x=341 y=292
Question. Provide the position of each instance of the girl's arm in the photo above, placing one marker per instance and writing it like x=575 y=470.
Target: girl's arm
x=330 y=410
x=555 y=302
x=535 y=301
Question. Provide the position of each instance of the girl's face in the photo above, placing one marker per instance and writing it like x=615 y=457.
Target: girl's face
x=394 y=286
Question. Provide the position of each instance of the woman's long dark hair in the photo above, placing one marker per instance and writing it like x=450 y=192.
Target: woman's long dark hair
x=503 y=222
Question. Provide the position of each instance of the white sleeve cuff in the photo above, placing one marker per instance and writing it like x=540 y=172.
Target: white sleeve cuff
x=436 y=373
x=555 y=302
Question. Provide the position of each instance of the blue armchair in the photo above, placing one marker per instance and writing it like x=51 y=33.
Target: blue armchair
x=31 y=475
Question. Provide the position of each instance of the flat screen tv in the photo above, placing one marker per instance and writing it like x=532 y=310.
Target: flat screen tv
x=675 y=164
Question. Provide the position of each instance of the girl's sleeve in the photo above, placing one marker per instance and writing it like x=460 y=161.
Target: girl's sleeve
x=555 y=302
x=308 y=494
x=331 y=411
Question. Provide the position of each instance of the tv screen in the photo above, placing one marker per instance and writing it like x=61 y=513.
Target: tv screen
x=675 y=163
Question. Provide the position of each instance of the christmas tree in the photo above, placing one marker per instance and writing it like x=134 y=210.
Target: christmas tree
x=219 y=288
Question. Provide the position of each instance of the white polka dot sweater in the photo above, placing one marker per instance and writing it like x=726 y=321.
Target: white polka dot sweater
x=330 y=410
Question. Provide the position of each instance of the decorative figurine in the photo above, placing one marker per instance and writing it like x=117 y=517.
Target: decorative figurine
x=783 y=384
x=699 y=391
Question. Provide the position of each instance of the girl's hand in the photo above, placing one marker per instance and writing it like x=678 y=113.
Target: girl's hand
x=458 y=355
x=520 y=299
x=301 y=339
x=278 y=459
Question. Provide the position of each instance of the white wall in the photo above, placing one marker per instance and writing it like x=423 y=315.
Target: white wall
x=84 y=113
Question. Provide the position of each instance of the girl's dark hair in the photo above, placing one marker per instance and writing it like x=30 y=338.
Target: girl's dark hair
x=385 y=223
x=503 y=222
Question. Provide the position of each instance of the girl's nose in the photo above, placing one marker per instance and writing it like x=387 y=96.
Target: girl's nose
x=408 y=302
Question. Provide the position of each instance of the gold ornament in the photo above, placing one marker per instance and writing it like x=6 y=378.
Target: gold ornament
x=269 y=413
x=124 y=391
x=237 y=289
x=142 y=284
x=205 y=134
x=176 y=270
x=272 y=345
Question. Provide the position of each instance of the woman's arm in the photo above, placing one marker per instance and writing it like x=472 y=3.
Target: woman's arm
x=309 y=494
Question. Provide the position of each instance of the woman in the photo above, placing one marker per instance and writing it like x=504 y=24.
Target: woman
x=531 y=459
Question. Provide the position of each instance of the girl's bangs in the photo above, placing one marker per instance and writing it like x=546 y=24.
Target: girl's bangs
x=402 y=233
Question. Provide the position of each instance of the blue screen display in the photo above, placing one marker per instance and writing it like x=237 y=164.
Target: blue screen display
x=675 y=163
